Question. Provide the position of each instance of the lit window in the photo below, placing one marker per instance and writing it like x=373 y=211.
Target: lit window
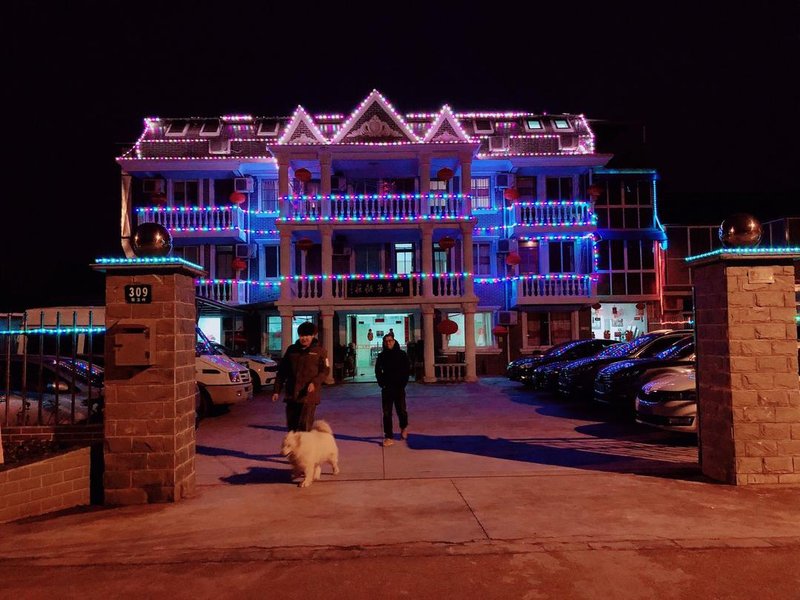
x=480 y=193
x=482 y=258
x=561 y=125
x=534 y=125
x=177 y=128
x=211 y=128
x=483 y=126
x=404 y=258
x=483 y=330
x=268 y=128
x=269 y=195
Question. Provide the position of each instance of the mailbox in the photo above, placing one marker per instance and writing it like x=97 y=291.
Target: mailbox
x=134 y=344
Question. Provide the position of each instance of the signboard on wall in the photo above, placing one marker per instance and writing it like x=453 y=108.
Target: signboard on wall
x=377 y=288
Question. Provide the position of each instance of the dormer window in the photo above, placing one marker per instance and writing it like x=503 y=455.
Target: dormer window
x=268 y=128
x=561 y=125
x=483 y=126
x=534 y=125
x=211 y=128
x=177 y=128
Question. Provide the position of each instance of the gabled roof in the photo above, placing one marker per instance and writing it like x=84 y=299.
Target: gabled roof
x=375 y=121
x=446 y=128
x=302 y=130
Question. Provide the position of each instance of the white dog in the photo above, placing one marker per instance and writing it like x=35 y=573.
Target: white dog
x=307 y=451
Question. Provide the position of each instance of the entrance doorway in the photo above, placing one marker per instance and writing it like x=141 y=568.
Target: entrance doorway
x=366 y=331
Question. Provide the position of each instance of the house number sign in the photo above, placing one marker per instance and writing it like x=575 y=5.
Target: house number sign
x=139 y=294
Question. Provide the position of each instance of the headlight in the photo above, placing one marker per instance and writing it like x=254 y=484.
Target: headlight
x=234 y=375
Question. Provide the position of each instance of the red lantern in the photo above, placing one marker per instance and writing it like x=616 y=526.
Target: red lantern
x=594 y=191
x=237 y=197
x=303 y=175
x=640 y=306
x=513 y=259
x=238 y=264
x=511 y=194
x=498 y=330
x=447 y=327
x=446 y=243
x=305 y=244
x=597 y=306
x=444 y=174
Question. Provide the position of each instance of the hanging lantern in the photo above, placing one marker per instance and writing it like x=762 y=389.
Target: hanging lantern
x=444 y=174
x=237 y=198
x=513 y=259
x=447 y=327
x=597 y=306
x=511 y=194
x=594 y=191
x=305 y=244
x=303 y=175
x=238 y=264
x=499 y=330
x=446 y=243
x=640 y=306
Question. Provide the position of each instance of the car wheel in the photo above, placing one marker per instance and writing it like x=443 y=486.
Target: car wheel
x=256 y=381
x=205 y=406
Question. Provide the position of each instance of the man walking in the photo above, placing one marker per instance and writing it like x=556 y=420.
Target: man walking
x=392 y=370
x=303 y=368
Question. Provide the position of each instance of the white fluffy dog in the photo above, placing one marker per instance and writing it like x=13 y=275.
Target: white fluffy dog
x=307 y=451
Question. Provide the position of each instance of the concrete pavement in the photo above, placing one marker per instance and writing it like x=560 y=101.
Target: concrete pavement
x=497 y=493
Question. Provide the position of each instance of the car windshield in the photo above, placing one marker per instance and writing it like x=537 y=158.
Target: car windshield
x=628 y=347
x=680 y=349
x=562 y=349
x=203 y=346
x=660 y=344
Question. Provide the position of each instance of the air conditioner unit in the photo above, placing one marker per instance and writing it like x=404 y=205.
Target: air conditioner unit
x=243 y=184
x=506 y=317
x=503 y=246
x=153 y=186
x=246 y=250
x=219 y=146
x=498 y=143
x=502 y=180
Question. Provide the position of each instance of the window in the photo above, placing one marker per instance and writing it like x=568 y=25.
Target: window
x=559 y=188
x=186 y=192
x=483 y=330
x=210 y=128
x=561 y=125
x=368 y=258
x=190 y=253
x=483 y=126
x=482 y=258
x=272 y=261
x=269 y=195
x=562 y=257
x=526 y=186
x=480 y=193
x=274 y=338
x=440 y=261
x=533 y=125
x=403 y=258
x=268 y=128
x=177 y=128
x=223 y=268
x=529 y=255
x=626 y=267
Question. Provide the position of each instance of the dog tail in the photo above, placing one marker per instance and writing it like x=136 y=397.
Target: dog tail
x=321 y=425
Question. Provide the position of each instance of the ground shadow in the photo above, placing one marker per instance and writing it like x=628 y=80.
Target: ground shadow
x=339 y=436
x=257 y=475
x=594 y=454
x=211 y=451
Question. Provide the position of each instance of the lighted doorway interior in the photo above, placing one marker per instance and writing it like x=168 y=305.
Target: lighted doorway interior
x=367 y=332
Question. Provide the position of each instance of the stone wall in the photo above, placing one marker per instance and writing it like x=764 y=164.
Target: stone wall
x=45 y=486
x=747 y=372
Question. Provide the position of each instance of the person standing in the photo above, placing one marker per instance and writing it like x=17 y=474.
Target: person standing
x=392 y=371
x=303 y=368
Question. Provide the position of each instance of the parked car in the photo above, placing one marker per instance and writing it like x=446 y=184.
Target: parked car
x=52 y=382
x=262 y=368
x=618 y=383
x=669 y=401
x=576 y=379
x=522 y=369
x=221 y=381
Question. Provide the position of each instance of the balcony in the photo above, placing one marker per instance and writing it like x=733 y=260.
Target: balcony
x=409 y=289
x=209 y=224
x=531 y=218
x=561 y=288
x=370 y=208
x=225 y=291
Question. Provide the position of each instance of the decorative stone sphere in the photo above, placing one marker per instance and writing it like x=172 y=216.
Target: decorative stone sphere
x=152 y=239
x=740 y=230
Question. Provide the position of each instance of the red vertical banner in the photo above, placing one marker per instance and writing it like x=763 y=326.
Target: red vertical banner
x=406 y=327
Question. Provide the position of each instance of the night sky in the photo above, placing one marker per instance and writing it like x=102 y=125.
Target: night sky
x=706 y=96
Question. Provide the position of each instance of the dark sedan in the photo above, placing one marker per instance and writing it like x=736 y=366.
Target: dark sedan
x=618 y=383
x=544 y=375
x=577 y=378
x=523 y=371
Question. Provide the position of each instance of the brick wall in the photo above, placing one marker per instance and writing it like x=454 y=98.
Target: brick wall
x=52 y=484
x=749 y=398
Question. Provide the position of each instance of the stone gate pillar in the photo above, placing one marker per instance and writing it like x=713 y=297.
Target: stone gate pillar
x=149 y=420
x=747 y=379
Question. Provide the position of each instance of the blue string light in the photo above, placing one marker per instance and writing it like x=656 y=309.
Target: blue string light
x=745 y=252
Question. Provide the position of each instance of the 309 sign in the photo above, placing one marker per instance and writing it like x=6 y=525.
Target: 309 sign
x=139 y=294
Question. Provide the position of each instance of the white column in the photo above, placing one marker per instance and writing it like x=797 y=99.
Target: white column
x=327 y=260
x=468 y=260
x=466 y=182
x=325 y=183
x=287 y=335
x=424 y=183
x=427 y=326
x=469 y=347
x=283 y=185
x=286 y=266
x=427 y=259
x=327 y=341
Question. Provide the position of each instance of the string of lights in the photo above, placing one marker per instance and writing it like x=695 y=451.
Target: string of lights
x=745 y=252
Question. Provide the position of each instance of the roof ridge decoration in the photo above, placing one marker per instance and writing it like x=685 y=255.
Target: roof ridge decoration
x=375 y=121
x=446 y=128
x=302 y=130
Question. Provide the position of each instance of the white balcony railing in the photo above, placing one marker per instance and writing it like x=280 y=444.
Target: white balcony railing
x=548 y=289
x=222 y=290
x=450 y=372
x=180 y=219
x=373 y=207
x=553 y=214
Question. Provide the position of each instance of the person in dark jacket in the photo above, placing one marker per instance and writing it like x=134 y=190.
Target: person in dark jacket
x=303 y=368
x=392 y=370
